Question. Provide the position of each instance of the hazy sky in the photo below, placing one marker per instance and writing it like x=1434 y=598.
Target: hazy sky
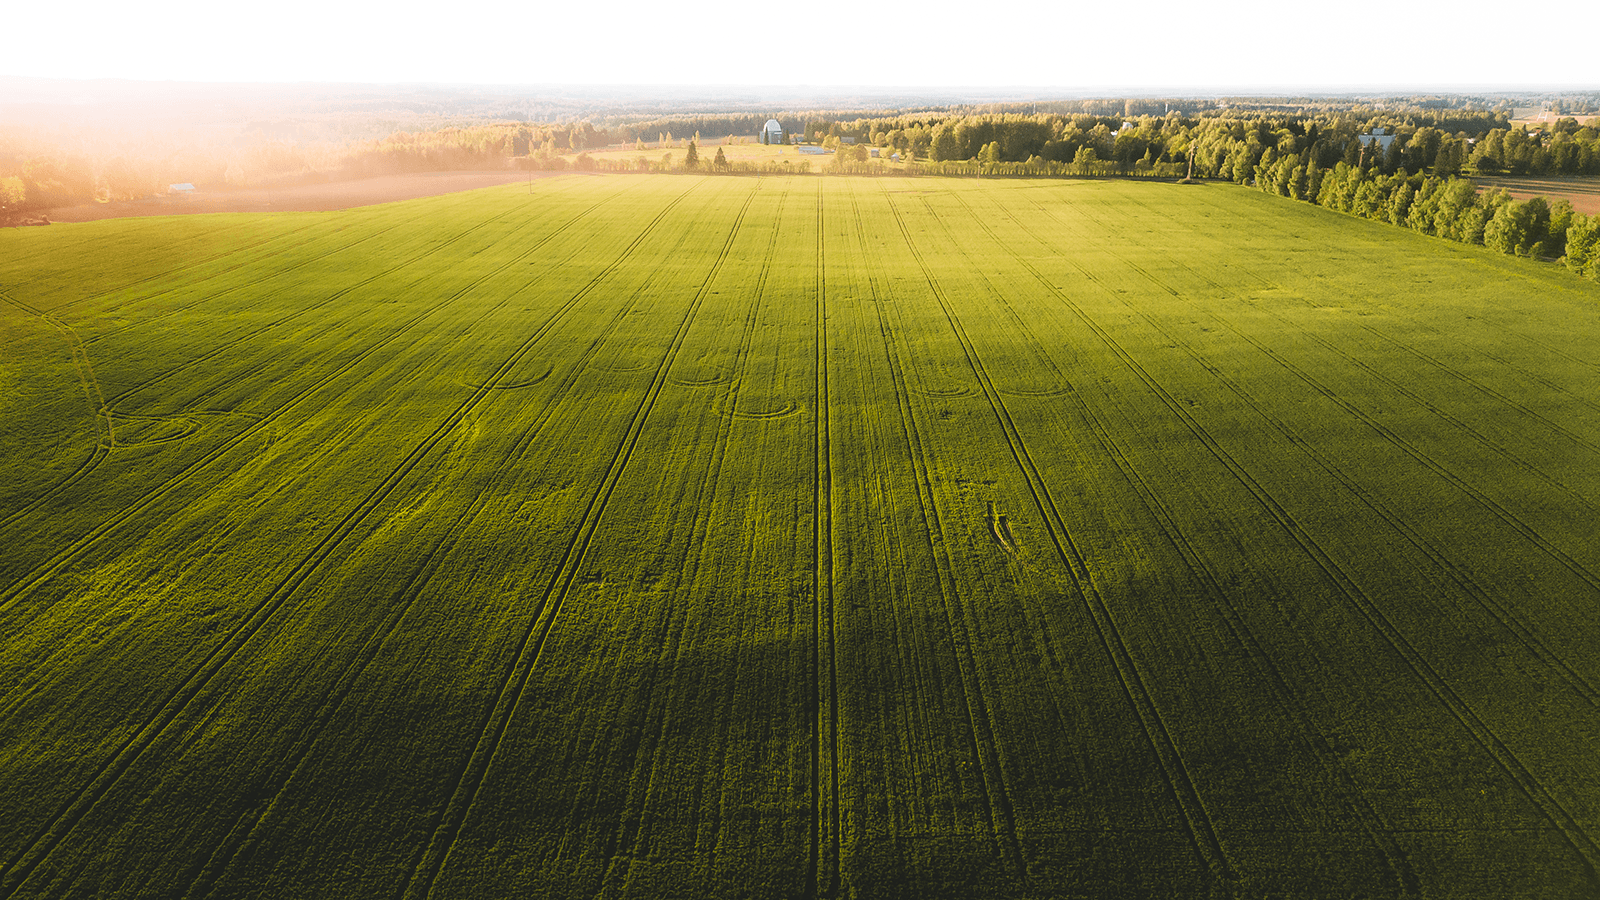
x=1107 y=44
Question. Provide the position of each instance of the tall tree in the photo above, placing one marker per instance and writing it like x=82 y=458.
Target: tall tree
x=1083 y=163
x=1352 y=152
x=1451 y=156
x=1583 y=245
x=12 y=195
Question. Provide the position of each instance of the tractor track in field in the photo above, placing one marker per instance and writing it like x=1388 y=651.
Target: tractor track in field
x=982 y=743
x=228 y=345
x=555 y=233
x=1470 y=586
x=506 y=367
x=202 y=879
x=108 y=408
x=241 y=287
x=92 y=393
x=208 y=277
x=1509 y=455
x=640 y=774
x=876 y=454
x=80 y=362
x=1532 y=789
x=247 y=263
x=1483 y=500
x=1463 y=580
x=431 y=249
x=90 y=463
x=710 y=845
x=903 y=431
x=9 y=596
x=526 y=382
x=913 y=658
x=1466 y=256
x=1472 y=434
x=1180 y=782
x=193 y=265
x=1445 y=367
x=1288 y=700
x=431 y=859
x=824 y=619
x=635 y=824
x=1441 y=365
x=16 y=871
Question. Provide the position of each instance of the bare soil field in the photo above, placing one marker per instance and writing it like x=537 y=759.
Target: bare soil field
x=1582 y=193
x=298 y=198
x=1531 y=117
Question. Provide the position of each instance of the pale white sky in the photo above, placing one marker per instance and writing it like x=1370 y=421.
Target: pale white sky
x=1110 y=44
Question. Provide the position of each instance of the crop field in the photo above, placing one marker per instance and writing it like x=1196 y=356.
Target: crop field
x=648 y=537
x=1582 y=192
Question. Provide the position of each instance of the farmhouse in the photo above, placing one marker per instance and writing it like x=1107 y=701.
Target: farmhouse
x=772 y=132
x=180 y=190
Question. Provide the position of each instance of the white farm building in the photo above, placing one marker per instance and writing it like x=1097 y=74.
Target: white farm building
x=772 y=132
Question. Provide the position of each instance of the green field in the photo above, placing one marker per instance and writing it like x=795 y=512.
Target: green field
x=648 y=537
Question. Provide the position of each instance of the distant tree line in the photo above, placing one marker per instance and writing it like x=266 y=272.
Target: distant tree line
x=1446 y=206
x=1322 y=152
x=1230 y=146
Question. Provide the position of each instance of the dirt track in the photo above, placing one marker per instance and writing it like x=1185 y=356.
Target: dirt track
x=301 y=198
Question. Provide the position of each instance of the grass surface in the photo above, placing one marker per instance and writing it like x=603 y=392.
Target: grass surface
x=679 y=537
